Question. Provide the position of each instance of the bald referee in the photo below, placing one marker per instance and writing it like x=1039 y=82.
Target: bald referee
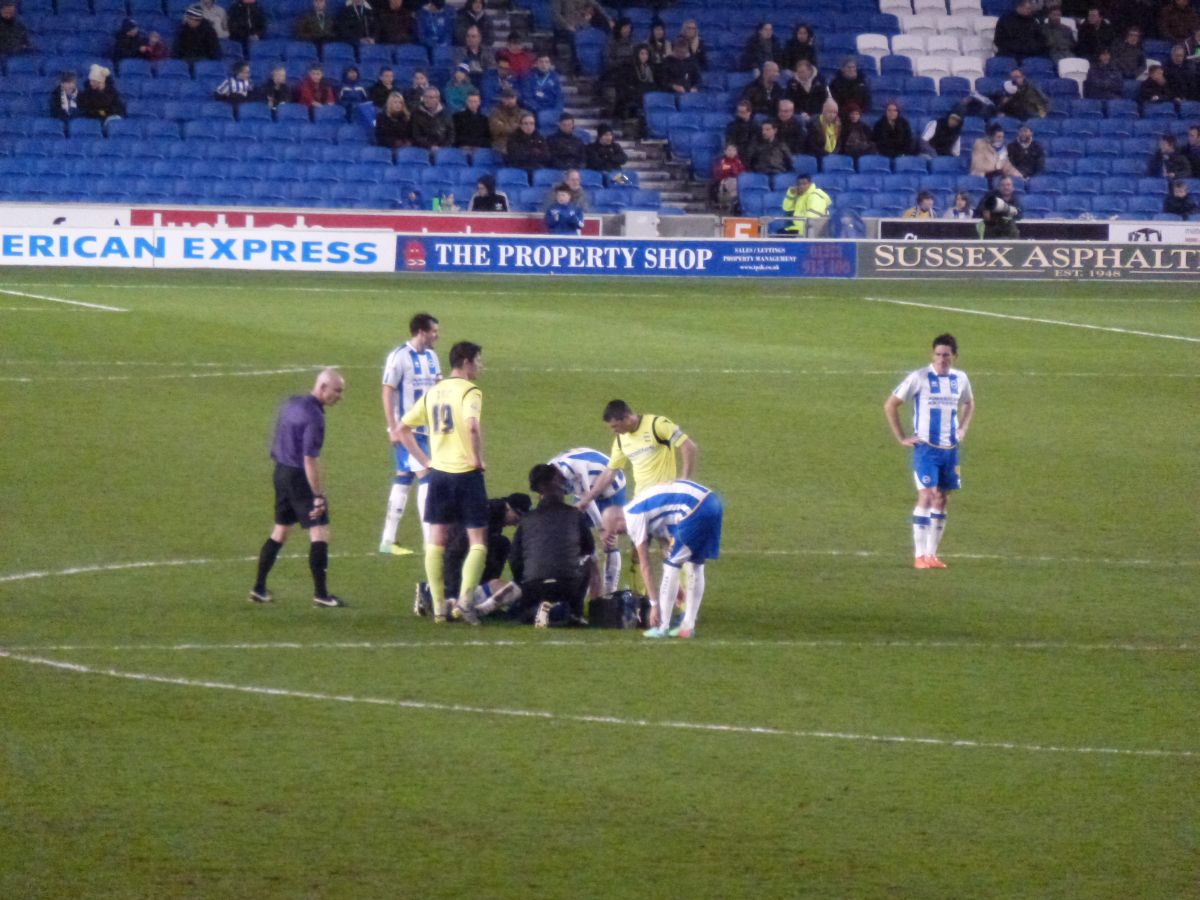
x=299 y=492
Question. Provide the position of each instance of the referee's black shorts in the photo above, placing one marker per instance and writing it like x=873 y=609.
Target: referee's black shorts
x=457 y=498
x=294 y=498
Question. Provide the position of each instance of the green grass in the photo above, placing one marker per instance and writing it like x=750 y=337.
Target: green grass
x=393 y=760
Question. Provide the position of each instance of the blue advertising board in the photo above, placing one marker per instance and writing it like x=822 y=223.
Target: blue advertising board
x=619 y=256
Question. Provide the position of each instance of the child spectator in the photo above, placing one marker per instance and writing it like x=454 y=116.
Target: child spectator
x=236 y=88
x=486 y=198
x=563 y=217
x=275 y=91
x=458 y=88
x=64 y=99
x=1179 y=201
x=962 y=208
x=351 y=93
x=923 y=208
x=314 y=90
x=383 y=87
x=725 y=171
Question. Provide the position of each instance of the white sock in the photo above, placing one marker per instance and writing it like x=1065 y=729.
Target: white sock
x=612 y=570
x=397 y=500
x=666 y=595
x=920 y=526
x=937 y=524
x=422 y=493
x=693 y=596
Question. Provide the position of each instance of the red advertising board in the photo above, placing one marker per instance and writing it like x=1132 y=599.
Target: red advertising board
x=407 y=222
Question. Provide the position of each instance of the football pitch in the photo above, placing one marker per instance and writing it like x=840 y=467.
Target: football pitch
x=1022 y=724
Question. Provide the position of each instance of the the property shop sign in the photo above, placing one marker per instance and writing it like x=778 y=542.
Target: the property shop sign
x=1032 y=260
x=580 y=256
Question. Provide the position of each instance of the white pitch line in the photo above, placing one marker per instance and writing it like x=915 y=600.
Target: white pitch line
x=542 y=715
x=584 y=642
x=259 y=373
x=96 y=306
x=996 y=315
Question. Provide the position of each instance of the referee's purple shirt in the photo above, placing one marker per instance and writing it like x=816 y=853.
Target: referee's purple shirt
x=299 y=431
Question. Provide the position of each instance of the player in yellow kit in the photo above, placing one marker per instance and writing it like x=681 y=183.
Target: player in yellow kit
x=648 y=443
x=451 y=412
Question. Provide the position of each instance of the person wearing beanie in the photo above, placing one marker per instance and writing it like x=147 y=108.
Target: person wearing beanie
x=129 y=42
x=196 y=38
x=567 y=151
x=100 y=100
x=216 y=17
x=849 y=86
x=604 y=154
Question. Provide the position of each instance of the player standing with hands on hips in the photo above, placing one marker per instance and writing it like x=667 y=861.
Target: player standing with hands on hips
x=299 y=485
x=943 y=405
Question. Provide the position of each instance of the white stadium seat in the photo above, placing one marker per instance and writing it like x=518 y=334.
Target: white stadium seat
x=922 y=24
x=956 y=25
x=934 y=67
x=966 y=67
x=908 y=44
x=874 y=45
x=932 y=7
x=895 y=7
x=942 y=45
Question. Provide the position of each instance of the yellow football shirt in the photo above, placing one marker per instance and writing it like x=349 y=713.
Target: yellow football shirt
x=650 y=448
x=444 y=411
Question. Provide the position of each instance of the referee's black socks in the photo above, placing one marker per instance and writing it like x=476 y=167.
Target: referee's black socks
x=266 y=559
x=318 y=562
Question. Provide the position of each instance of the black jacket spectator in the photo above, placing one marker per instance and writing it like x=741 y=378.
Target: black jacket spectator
x=793 y=133
x=763 y=97
x=14 y=36
x=893 y=138
x=356 y=23
x=128 y=42
x=393 y=131
x=247 y=21
x=1167 y=163
x=198 y=41
x=566 y=150
x=760 y=49
x=847 y=89
x=1029 y=161
x=432 y=129
x=605 y=157
x=1104 y=80
x=395 y=24
x=1093 y=36
x=474 y=14
x=1181 y=203
x=680 y=75
x=770 y=157
x=471 y=129
x=527 y=151
x=798 y=49
x=1018 y=33
x=633 y=82
x=809 y=98
x=742 y=132
x=100 y=104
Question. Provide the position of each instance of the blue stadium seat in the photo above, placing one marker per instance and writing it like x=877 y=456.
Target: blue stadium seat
x=915 y=164
x=173 y=69
x=752 y=181
x=999 y=67
x=1100 y=146
x=873 y=163
x=837 y=162
x=1092 y=166
x=1121 y=109
x=954 y=86
x=85 y=128
x=802 y=162
x=895 y=65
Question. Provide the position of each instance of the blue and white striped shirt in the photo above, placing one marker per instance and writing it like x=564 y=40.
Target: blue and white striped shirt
x=936 y=399
x=657 y=509
x=412 y=373
x=581 y=466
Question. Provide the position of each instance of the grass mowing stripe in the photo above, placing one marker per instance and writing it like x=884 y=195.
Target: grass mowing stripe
x=99 y=307
x=762 y=730
x=1035 y=320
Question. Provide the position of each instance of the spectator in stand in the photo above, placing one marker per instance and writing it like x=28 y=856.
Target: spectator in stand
x=1026 y=154
x=604 y=154
x=275 y=91
x=458 y=89
x=631 y=84
x=808 y=206
x=1021 y=98
x=415 y=94
x=474 y=55
x=922 y=209
x=505 y=120
x=1004 y=190
x=961 y=209
x=379 y=92
x=791 y=130
x=474 y=15
x=1193 y=45
x=989 y=155
x=1095 y=33
x=1018 y=33
x=689 y=33
x=1181 y=76
x=620 y=49
x=471 y=126
x=1165 y=162
x=396 y=24
x=520 y=60
x=563 y=217
x=14 y=36
x=1192 y=149
x=99 y=99
x=801 y=46
x=313 y=90
x=356 y=23
x=1179 y=201
x=762 y=47
x=1154 y=89
x=432 y=127
x=574 y=185
x=1177 y=21
x=1104 y=80
x=196 y=38
x=764 y=93
x=742 y=132
x=435 y=24
x=1060 y=38
x=216 y=16
x=807 y=91
x=237 y=87
x=825 y=131
x=129 y=42
x=316 y=25
x=496 y=81
x=660 y=47
x=892 y=134
x=393 y=125
x=680 y=73
x=247 y=23
x=768 y=154
x=64 y=99
x=849 y=86
x=486 y=198
x=723 y=191
x=351 y=93
x=156 y=48
x=942 y=137
x=526 y=149
x=1128 y=55
x=856 y=136
x=541 y=89
x=566 y=150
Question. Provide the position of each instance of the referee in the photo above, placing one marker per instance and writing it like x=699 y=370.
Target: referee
x=299 y=493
